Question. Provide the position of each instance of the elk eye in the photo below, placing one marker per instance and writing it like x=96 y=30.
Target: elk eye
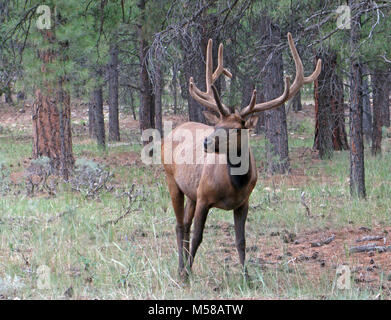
x=243 y=123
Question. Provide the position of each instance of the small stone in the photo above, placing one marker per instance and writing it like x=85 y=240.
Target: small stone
x=315 y=255
x=371 y=254
x=372 y=261
x=322 y=263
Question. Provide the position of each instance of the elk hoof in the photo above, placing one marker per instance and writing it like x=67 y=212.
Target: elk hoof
x=184 y=275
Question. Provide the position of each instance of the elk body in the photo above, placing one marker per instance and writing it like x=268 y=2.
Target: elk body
x=205 y=183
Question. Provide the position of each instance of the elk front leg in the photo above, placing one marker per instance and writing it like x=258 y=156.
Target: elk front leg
x=189 y=215
x=201 y=212
x=240 y=216
x=177 y=199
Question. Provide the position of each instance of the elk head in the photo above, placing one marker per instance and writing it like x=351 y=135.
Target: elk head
x=228 y=120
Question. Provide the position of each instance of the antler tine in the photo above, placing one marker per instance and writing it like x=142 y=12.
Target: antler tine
x=252 y=107
x=207 y=98
x=220 y=69
x=209 y=66
x=218 y=101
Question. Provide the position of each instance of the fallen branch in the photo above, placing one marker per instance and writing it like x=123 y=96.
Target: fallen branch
x=369 y=248
x=131 y=198
x=323 y=242
x=370 y=238
x=61 y=214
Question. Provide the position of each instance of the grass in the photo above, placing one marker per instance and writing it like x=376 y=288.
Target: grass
x=137 y=257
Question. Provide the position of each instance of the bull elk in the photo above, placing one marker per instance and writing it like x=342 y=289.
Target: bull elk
x=206 y=184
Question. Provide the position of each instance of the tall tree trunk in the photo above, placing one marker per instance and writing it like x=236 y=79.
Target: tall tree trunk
x=158 y=97
x=324 y=100
x=97 y=98
x=330 y=133
x=357 y=170
x=340 y=139
x=132 y=105
x=386 y=98
x=378 y=108
x=174 y=86
x=91 y=117
x=275 y=120
x=114 y=134
x=64 y=104
x=52 y=136
x=367 y=112
x=147 y=105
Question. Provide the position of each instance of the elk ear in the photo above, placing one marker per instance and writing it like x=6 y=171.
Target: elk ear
x=210 y=117
x=251 y=122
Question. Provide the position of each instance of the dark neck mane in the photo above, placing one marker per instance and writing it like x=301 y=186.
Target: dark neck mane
x=239 y=181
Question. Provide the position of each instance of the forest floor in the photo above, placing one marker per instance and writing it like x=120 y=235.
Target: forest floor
x=70 y=244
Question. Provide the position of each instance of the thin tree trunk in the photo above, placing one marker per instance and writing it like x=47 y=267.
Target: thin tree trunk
x=357 y=170
x=158 y=98
x=99 y=117
x=367 y=114
x=174 y=84
x=91 y=118
x=386 y=96
x=378 y=101
x=296 y=102
x=114 y=133
x=132 y=105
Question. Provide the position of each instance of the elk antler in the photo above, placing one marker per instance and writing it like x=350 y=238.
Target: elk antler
x=299 y=81
x=206 y=98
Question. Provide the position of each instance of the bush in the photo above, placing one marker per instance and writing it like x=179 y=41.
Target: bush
x=4 y=178
x=90 y=178
x=40 y=176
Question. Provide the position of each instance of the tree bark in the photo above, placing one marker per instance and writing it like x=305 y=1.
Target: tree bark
x=52 y=136
x=324 y=99
x=367 y=112
x=158 y=97
x=174 y=84
x=296 y=102
x=378 y=108
x=357 y=169
x=386 y=96
x=114 y=132
x=275 y=120
x=330 y=133
x=91 y=117
x=147 y=104
x=97 y=98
